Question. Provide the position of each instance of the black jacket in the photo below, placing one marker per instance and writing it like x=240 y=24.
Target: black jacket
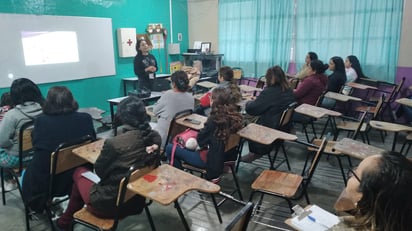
x=50 y=131
x=269 y=106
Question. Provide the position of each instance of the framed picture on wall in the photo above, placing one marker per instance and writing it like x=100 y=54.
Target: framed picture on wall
x=205 y=47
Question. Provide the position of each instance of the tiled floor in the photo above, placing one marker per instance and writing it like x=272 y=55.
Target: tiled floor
x=323 y=191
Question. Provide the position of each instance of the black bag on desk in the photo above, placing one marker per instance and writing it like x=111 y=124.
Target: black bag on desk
x=141 y=93
x=161 y=84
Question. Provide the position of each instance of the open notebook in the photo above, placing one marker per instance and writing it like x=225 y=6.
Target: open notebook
x=314 y=219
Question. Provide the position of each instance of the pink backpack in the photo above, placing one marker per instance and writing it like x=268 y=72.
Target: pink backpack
x=180 y=140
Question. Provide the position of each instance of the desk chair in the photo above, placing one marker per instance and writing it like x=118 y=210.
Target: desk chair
x=61 y=161
x=393 y=95
x=311 y=120
x=289 y=186
x=233 y=143
x=408 y=141
x=241 y=221
x=86 y=218
x=25 y=153
x=351 y=126
x=331 y=151
x=238 y=74
x=174 y=129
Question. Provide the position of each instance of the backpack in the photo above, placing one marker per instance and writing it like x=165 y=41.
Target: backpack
x=182 y=139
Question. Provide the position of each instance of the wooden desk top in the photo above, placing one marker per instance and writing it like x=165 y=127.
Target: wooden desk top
x=390 y=127
x=405 y=101
x=361 y=86
x=249 y=88
x=165 y=184
x=315 y=112
x=94 y=112
x=341 y=97
x=188 y=124
x=357 y=149
x=206 y=84
x=90 y=151
x=264 y=135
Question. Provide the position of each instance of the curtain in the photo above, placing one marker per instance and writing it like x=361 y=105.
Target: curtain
x=368 y=29
x=255 y=34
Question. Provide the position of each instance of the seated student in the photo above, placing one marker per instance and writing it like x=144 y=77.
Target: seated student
x=353 y=72
x=225 y=79
x=60 y=122
x=134 y=145
x=306 y=71
x=268 y=106
x=27 y=98
x=380 y=190
x=224 y=119
x=309 y=90
x=336 y=80
x=6 y=103
x=171 y=102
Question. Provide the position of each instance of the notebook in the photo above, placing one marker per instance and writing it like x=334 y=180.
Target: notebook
x=91 y=176
x=315 y=219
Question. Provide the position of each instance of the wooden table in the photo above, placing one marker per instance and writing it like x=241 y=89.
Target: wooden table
x=357 y=149
x=166 y=184
x=404 y=101
x=264 y=135
x=361 y=86
x=115 y=101
x=341 y=97
x=184 y=121
x=248 y=88
x=317 y=113
x=206 y=84
x=390 y=127
x=135 y=80
x=91 y=151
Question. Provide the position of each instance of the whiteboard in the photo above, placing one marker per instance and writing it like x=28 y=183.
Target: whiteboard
x=48 y=48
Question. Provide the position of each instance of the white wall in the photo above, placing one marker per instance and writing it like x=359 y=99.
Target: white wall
x=405 y=51
x=203 y=26
x=203 y=22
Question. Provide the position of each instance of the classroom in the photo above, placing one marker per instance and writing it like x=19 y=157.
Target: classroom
x=250 y=36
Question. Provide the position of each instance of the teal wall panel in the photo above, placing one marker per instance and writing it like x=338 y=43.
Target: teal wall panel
x=124 y=14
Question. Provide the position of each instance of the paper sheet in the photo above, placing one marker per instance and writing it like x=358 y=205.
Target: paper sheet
x=91 y=176
x=318 y=220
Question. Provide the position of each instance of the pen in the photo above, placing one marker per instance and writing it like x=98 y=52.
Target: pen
x=314 y=221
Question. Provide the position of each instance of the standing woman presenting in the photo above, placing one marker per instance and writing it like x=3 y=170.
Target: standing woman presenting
x=145 y=65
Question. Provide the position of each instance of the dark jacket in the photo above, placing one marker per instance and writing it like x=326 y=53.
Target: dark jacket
x=269 y=106
x=117 y=156
x=50 y=131
x=336 y=80
x=216 y=154
x=141 y=62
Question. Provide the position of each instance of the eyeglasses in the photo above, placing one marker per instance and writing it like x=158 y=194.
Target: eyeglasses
x=351 y=173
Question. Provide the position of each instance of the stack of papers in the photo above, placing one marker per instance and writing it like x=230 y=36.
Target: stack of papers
x=91 y=176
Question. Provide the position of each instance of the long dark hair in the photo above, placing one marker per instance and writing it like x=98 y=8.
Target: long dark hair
x=224 y=113
x=24 y=90
x=59 y=100
x=181 y=81
x=339 y=64
x=276 y=76
x=386 y=195
x=138 y=44
x=356 y=65
x=132 y=111
x=318 y=66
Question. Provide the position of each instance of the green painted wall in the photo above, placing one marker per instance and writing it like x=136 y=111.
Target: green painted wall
x=125 y=14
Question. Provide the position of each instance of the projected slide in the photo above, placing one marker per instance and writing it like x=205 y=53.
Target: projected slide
x=49 y=47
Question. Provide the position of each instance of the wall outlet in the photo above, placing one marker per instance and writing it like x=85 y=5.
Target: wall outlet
x=179 y=37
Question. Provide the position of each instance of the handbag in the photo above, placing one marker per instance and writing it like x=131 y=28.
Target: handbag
x=182 y=139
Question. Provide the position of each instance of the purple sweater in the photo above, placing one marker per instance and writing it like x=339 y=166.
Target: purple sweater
x=311 y=88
